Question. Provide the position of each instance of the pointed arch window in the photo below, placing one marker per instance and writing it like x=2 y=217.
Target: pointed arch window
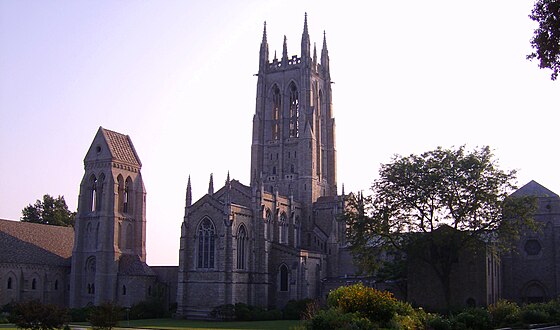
x=206 y=241
x=120 y=183
x=10 y=283
x=124 y=290
x=283 y=278
x=127 y=207
x=34 y=284
x=93 y=193
x=267 y=224
x=241 y=248
x=283 y=229
x=294 y=111
x=99 y=191
x=276 y=106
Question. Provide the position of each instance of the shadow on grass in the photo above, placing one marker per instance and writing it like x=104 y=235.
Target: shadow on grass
x=186 y=324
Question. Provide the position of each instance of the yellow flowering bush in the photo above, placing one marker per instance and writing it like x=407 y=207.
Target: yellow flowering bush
x=377 y=306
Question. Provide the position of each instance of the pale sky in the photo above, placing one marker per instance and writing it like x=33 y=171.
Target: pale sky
x=177 y=76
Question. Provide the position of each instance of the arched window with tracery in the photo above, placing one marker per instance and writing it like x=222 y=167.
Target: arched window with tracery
x=127 y=198
x=293 y=111
x=90 y=269
x=276 y=110
x=120 y=189
x=241 y=247
x=283 y=229
x=283 y=278
x=10 y=283
x=267 y=224
x=99 y=192
x=206 y=244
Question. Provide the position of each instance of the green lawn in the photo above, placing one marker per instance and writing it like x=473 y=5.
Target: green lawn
x=185 y=324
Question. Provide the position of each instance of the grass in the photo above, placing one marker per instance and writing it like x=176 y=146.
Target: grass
x=186 y=324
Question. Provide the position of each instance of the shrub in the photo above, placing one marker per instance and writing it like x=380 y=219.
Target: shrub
x=473 y=318
x=377 y=306
x=151 y=309
x=534 y=313
x=504 y=313
x=437 y=322
x=104 y=316
x=295 y=309
x=334 y=318
x=79 y=314
x=223 y=312
x=37 y=316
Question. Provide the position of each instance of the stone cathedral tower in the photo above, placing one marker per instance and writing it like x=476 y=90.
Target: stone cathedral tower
x=279 y=237
x=109 y=251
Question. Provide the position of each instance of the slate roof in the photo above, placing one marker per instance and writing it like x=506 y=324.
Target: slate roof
x=534 y=188
x=132 y=265
x=31 y=243
x=121 y=147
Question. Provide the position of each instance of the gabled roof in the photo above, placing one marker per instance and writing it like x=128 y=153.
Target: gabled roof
x=132 y=265
x=533 y=188
x=114 y=146
x=31 y=243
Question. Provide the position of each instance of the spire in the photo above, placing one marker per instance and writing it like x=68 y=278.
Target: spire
x=305 y=44
x=188 y=199
x=211 y=185
x=263 y=56
x=314 y=56
x=343 y=189
x=227 y=179
x=285 y=51
x=325 y=54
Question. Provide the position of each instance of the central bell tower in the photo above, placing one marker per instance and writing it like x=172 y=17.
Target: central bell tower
x=293 y=149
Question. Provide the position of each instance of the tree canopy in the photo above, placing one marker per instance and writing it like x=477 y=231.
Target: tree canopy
x=546 y=39
x=440 y=203
x=49 y=211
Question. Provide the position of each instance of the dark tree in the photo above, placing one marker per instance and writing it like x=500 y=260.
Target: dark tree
x=37 y=316
x=546 y=39
x=49 y=211
x=434 y=206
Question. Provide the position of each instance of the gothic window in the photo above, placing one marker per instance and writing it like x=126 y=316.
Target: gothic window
x=283 y=278
x=10 y=285
x=93 y=193
x=241 y=241
x=99 y=190
x=276 y=105
x=297 y=238
x=34 y=284
x=129 y=237
x=267 y=224
x=56 y=284
x=294 y=111
x=283 y=229
x=292 y=169
x=206 y=241
x=274 y=170
x=120 y=183
x=124 y=290
x=127 y=207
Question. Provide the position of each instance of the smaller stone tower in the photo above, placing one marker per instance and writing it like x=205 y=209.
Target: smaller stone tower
x=110 y=230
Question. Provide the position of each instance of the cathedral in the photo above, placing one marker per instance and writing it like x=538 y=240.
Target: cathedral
x=277 y=238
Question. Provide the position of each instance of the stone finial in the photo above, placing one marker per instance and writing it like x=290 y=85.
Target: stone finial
x=211 y=185
x=188 y=198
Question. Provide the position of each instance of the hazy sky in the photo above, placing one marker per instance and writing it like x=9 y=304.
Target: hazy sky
x=177 y=76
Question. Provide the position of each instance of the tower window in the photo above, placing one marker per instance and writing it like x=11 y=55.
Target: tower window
x=294 y=111
x=10 y=285
x=276 y=105
x=206 y=238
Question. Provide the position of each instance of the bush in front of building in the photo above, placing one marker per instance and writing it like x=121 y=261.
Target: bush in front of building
x=296 y=309
x=504 y=314
x=335 y=318
x=38 y=316
x=105 y=316
x=244 y=312
x=149 y=309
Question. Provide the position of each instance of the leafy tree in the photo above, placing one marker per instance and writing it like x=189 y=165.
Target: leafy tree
x=434 y=206
x=546 y=39
x=49 y=211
